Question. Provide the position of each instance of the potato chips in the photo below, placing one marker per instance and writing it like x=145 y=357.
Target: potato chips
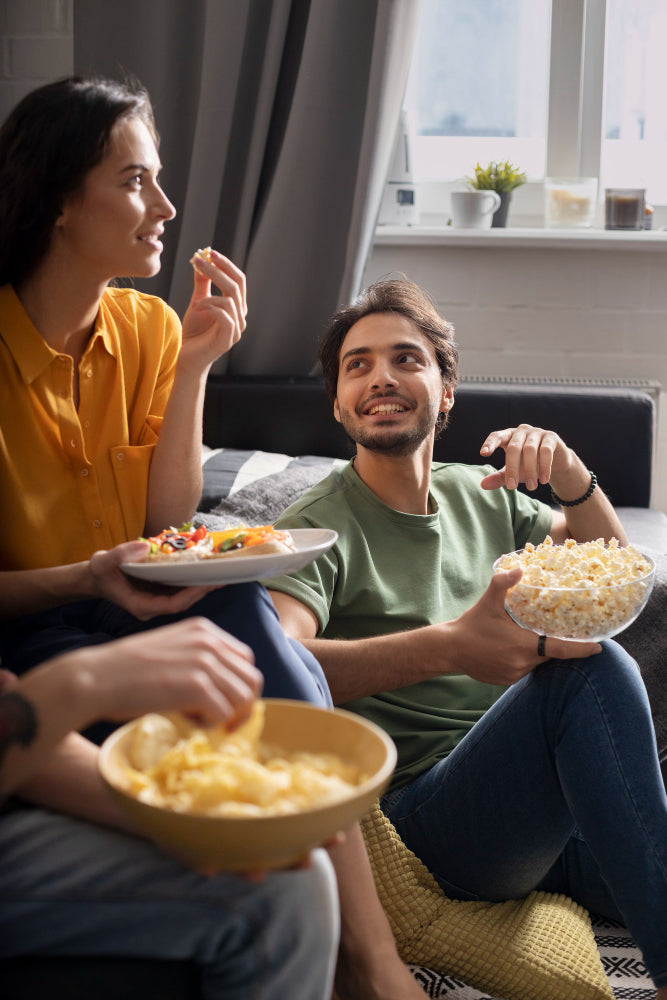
x=216 y=773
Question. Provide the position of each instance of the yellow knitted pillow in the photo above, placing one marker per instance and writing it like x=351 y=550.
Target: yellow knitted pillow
x=538 y=948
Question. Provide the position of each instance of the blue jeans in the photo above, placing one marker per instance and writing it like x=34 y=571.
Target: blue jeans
x=69 y=888
x=244 y=610
x=557 y=787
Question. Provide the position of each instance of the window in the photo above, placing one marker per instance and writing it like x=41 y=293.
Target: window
x=634 y=145
x=559 y=87
x=478 y=85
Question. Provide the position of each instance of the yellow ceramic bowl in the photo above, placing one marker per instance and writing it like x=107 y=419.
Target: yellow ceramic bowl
x=243 y=843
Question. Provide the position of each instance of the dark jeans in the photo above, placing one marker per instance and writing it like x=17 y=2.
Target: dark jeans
x=557 y=787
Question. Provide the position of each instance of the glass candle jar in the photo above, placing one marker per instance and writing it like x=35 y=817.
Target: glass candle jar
x=569 y=202
x=624 y=208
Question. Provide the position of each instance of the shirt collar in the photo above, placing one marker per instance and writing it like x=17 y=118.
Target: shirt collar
x=27 y=346
x=104 y=325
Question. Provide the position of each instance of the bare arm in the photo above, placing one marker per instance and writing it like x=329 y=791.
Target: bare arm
x=70 y=782
x=175 y=477
x=594 y=518
x=191 y=665
x=25 y=592
x=355 y=668
x=483 y=643
x=211 y=326
x=532 y=456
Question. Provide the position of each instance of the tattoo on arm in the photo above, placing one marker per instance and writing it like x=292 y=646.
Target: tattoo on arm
x=18 y=722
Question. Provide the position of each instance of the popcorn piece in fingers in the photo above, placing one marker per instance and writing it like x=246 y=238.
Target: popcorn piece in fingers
x=203 y=254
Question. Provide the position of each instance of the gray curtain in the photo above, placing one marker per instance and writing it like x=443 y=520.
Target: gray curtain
x=277 y=119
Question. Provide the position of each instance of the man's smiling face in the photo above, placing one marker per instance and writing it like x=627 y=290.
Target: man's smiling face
x=390 y=387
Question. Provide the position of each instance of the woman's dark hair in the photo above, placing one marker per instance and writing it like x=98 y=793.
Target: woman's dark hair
x=49 y=142
x=392 y=296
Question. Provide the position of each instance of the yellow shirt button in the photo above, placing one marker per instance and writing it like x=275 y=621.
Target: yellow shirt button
x=121 y=456
x=97 y=524
x=72 y=443
x=84 y=472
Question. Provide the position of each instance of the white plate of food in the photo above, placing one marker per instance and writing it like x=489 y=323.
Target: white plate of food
x=173 y=571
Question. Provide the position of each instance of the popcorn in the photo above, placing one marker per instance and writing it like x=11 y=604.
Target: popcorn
x=202 y=254
x=578 y=590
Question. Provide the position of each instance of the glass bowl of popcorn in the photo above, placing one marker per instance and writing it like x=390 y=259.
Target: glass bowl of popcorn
x=579 y=590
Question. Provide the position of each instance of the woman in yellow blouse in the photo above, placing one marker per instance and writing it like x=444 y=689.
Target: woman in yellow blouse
x=102 y=389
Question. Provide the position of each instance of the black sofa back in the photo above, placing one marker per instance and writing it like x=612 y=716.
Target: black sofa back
x=611 y=428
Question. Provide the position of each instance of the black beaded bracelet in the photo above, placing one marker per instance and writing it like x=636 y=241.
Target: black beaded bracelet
x=575 y=503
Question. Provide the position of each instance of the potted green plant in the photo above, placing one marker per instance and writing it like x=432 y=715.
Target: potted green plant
x=500 y=177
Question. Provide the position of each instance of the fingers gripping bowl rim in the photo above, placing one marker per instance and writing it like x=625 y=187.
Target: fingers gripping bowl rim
x=588 y=612
x=263 y=842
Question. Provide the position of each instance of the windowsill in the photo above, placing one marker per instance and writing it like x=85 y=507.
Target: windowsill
x=520 y=238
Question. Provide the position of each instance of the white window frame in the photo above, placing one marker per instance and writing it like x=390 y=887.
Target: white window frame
x=576 y=88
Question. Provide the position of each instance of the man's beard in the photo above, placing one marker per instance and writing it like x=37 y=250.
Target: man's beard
x=390 y=440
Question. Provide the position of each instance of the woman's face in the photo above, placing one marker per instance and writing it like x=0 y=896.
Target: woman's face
x=112 y=226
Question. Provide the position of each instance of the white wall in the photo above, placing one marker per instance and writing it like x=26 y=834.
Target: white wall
x=548 y=311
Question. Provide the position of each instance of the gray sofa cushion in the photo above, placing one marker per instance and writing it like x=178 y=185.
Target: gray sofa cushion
x=256 y=486
x=646 y=641
x=645 y=528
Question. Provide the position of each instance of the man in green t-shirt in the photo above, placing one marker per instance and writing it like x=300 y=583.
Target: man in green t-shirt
x=493 y=784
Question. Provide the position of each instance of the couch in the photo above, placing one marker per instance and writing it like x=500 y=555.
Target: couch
x=271 y=437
